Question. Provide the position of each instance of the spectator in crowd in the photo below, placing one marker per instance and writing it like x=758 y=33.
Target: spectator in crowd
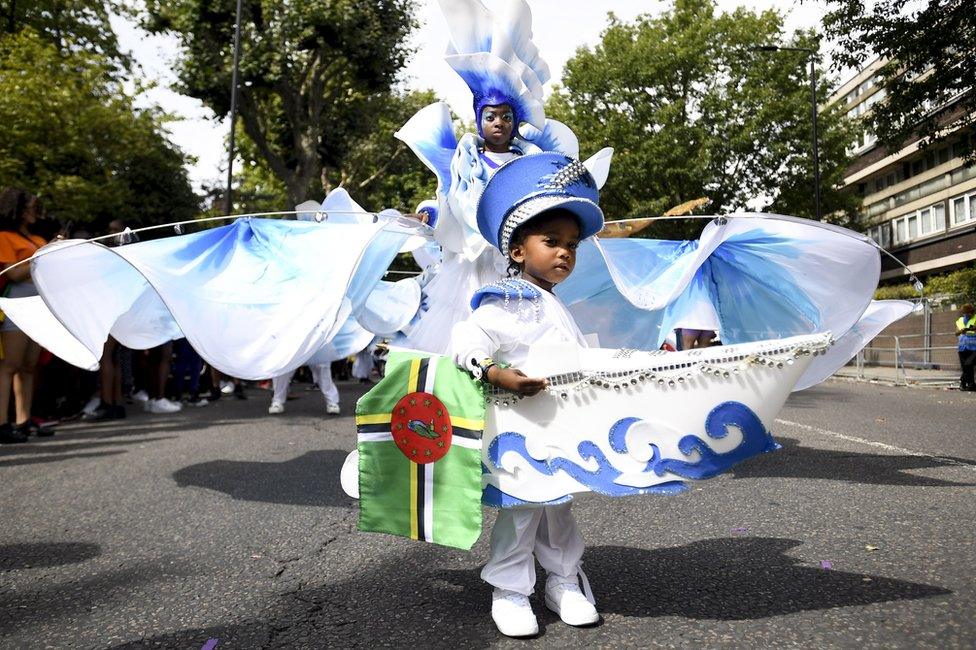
x=186 y=373
x=966 y=330
x=220 y=386
x=159 y=359
x=19 y=211
x=114 y=355
x=110 y=381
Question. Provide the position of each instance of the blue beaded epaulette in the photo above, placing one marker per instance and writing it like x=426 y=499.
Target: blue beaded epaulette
x=514 y=292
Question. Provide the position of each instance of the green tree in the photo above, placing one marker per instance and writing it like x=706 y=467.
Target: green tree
x=308 y=72
x=71 y=135
x=930 y=64
x=70 y=25
x=378 y=171
x=692 y=112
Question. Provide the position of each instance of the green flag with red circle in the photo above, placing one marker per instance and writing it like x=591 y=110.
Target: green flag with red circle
x=419 y=447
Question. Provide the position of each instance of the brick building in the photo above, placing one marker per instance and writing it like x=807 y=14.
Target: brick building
x=920 y=204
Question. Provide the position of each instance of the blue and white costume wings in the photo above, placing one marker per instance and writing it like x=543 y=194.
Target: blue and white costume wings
x=255 y=298
x=260 y=297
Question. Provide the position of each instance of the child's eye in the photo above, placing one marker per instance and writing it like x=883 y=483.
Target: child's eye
x=507 y=117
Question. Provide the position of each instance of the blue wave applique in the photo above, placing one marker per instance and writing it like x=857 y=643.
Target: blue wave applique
x=755 y=440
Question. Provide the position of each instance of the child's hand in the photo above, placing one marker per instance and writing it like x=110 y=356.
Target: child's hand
x=515 y=381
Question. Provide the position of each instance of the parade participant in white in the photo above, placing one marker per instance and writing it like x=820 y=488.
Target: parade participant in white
x=538 y=224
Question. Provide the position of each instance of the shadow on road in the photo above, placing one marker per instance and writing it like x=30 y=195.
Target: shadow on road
x=27 y=607
x=410 y=602
x=312 y=479
x=14 y=557
x=731 y=579
x=797 y=461
x=48 y=453
x=36 y=460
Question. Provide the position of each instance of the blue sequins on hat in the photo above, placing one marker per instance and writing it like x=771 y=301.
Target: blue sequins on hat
x=534 y=183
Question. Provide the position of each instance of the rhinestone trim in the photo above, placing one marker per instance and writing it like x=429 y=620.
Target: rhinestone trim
x=525 y=211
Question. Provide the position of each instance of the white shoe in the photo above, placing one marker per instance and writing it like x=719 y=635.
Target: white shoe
x=140 y=396
x=92 y=406
x=512 y=614
x=226 y=387
x=565 y=598
x=331 y=408
x=162 y=405
x=276 y=408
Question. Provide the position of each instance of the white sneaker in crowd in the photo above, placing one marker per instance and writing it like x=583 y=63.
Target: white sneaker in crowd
x=226 y=387
x=565 y=598
x=512 y=614
x=92 y=406
x=140 y=396
x=161 y=405
x=276 y=408
x=331 y=408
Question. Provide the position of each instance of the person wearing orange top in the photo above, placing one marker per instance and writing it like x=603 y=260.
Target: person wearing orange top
x=19 y=211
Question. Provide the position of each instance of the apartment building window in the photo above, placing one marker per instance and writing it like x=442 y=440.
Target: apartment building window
x=963 y=208
x=889 y=179
x=881 y=234
x=963 y=174
x=880 y=207
x=920 y=190
x=921 y=223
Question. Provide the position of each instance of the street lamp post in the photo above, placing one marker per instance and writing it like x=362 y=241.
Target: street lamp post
x=813 y=110
x=228 y=196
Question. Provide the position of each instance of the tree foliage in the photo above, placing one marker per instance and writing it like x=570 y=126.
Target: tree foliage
x=378 y=171
x=71 y=135
x=959 y=285
x=308 y=72
x=930 y=64
x=70 y=25
x=692 y=112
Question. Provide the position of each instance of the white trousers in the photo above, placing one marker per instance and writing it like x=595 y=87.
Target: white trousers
x=362 y=367
x=523 y=535
x=322 y=376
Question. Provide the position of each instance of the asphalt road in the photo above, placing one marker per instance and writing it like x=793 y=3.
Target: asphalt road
x=226 y=523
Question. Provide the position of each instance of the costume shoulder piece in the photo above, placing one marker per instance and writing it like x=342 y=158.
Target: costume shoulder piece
x=513 y=291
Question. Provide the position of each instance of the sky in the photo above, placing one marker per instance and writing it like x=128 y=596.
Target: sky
x=559 y=28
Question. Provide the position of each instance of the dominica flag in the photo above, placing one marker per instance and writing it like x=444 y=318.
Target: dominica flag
x=420 y=452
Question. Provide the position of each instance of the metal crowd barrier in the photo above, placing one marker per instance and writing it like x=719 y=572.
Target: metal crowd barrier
x=907 y=359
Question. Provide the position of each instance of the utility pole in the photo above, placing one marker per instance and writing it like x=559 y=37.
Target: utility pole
x=228 y=196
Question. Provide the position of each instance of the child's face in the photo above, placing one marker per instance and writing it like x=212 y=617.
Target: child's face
x=548 y=252
x=497 y=124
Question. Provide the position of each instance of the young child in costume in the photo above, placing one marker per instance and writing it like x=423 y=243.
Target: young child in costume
x=535 y=210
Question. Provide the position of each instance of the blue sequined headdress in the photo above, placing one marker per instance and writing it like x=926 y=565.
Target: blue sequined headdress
x=493 y=53
x=532 y=184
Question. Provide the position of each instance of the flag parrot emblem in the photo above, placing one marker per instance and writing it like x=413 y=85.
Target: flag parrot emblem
x=421 y=427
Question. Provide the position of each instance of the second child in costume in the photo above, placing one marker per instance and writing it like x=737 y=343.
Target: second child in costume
x=535 y=210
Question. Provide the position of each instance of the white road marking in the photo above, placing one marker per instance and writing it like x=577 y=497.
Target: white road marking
x=874 y=443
